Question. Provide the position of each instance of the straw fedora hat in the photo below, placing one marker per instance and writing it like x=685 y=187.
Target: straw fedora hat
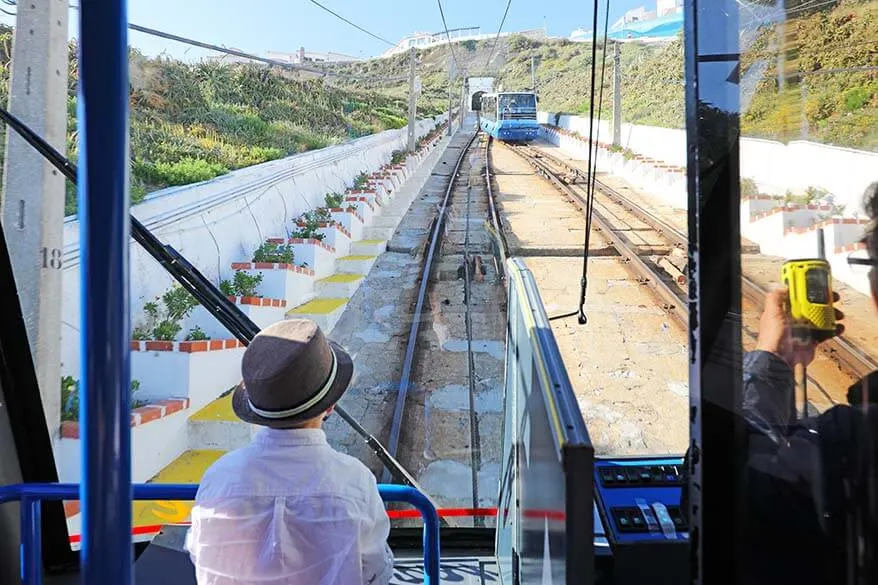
x=291 y=373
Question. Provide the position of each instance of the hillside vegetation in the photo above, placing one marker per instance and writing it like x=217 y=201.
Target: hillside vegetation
x=192 y=122
x=840 y=108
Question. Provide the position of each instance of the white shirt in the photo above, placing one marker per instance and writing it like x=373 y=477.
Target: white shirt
x=288 y=509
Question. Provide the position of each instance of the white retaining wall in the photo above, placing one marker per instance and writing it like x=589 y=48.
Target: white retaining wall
x=776 y=167
x=217 y=222
x=155 y=443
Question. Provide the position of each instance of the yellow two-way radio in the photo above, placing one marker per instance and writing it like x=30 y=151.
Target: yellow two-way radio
x=810 y=289
x=809 y=281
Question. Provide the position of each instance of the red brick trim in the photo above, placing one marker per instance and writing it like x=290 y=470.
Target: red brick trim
x=312 y=242
x=850 y=248
x=199 y=346
x=259 y=301
x=271 y=266
x=139 y=416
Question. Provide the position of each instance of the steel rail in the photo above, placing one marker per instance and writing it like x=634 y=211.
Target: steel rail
x=408 y=361
x=493 y=217
x=841 y=350
x=674 y=301
x=475 y=439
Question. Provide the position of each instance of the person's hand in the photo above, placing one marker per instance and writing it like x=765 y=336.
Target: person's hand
x=775 y=333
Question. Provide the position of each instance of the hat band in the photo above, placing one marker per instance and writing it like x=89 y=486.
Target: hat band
x=276 y=414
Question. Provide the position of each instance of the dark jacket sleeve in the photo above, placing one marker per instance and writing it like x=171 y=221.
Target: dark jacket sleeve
x=784 y=492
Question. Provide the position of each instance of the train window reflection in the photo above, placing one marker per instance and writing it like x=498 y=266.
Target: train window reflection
x=809 y=427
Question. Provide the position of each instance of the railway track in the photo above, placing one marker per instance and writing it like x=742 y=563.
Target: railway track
x=669 y=289
x=457 y=287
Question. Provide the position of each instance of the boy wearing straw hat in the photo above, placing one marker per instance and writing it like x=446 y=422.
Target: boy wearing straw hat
x=288 y=508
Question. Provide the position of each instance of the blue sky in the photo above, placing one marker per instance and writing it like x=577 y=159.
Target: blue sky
x=257 y=26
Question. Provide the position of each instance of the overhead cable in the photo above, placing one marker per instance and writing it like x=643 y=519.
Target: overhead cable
x=356 y=26
x=447 y=36
x=591 y=164
x=497 y=38
x=235 y=52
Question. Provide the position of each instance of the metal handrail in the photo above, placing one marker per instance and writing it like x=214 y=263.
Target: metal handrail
x=31 y=495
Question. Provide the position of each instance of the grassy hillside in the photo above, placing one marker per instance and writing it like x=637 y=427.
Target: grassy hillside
x=840 y=108
x=192 y=122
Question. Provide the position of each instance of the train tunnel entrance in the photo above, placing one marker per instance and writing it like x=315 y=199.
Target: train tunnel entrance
x=476 y=104
x=476 y=88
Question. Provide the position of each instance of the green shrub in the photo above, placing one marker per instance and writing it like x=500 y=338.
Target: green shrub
x=241 y=285
x=333 y=200
x=361 y=180
x=196 y=334
x=749 y=187
x=274 y=253
x=70 y=398
x=398 y=157
x=183 y=172
x=855 y=98
x=162 y=321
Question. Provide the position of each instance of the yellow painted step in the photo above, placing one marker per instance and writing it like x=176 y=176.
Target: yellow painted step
x=358 y=257
x=187 y=468
x=218 y=410
x=319 y=306
x=370 y=241
x=343 y=277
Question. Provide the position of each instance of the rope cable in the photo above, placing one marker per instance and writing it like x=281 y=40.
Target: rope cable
x=497 y=38
x=356 y=26
x=591 y=164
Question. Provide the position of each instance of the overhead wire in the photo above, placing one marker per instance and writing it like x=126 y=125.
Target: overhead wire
x=250 y=56
x=356 y=26
x=591 y=163
x=497 y=38
x=447 y=35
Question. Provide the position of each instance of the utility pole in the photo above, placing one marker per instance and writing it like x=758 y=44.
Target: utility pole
x=33 y=197
x=450 y=81
x=464 y=109
x=803 y=87
x=413 y=100
x=533 y=72
x=617 y=95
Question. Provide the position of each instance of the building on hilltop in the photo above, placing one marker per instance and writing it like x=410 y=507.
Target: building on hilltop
x=425 y=40
x=639 y=24
x=302 y=57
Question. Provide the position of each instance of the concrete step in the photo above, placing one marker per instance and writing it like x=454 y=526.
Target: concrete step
x=369 y=247
x=324 y=311
x=356 y=264
x=340 y=285
x=217 y=427
x=189 y=467
x=378 y=232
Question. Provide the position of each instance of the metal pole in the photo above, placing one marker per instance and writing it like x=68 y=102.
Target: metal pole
x=413 y=100
x=33 y=199
x=463 y=107
x=533 y=72
x=804 y=89
x=104 y=237
x=450 y=79
x=617 y=95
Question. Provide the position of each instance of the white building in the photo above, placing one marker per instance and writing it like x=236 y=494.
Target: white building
x=302 y=57
x=424 y=40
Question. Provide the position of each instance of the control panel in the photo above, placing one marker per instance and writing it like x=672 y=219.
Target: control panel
x=640 y=499
x=639 y=503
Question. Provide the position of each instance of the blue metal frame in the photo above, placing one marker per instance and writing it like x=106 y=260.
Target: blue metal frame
x=32 y=494
x=104 y=344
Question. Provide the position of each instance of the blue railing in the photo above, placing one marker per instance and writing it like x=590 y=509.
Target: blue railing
x=32 y=494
